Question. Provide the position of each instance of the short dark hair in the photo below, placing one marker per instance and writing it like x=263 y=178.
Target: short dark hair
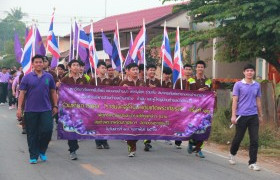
x=141 y=67
x=4 y=67
x=187 y=65
x=73 y=61
x=37 y=56
x=81 y=63
x=167 y=70
x=149 y=66
x=109 y=66
x=131 y=65
x=249 y=66
x=200 y=62
x=89 y=70
x=12 y=72
x=61 y=66
x=100 y=63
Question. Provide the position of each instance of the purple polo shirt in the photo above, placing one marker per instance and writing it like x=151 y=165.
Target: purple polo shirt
x=4 y=78
x=37 y=97
x=247 y=95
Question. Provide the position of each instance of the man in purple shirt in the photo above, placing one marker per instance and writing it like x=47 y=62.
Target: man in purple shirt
x=4 y=78
x=37 y=89
x=246 y=113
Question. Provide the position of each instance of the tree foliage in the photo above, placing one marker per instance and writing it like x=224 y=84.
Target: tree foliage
x=247 y=28
x=10 y=24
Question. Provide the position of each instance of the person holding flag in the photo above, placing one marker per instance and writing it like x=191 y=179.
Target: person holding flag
x=151 y=82
x=186 y=81
x=104 y=81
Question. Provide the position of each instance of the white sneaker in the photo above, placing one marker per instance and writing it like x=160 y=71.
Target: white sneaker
x=10 y=107
x=131 y=154
x=254 y=167
x=2 y=104
x=232 y=160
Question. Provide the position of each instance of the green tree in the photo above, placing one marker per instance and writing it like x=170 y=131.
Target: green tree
x=12 y=22
x=247 y=28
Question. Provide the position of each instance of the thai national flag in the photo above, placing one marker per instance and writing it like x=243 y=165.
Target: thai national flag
x=83 y=38
x=49 y=37
x=93 y=59
x=117 y=57
x=177 y=63
x=27 y=53
x=53 y=45
x=165 y=50
x=138 y=44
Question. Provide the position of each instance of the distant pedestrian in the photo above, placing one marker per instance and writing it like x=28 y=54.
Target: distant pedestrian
x=37 y=90
x=4 y=78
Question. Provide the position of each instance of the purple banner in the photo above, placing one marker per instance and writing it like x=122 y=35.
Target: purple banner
x=104 y=112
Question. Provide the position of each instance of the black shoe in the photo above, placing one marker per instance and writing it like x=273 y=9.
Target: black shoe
x=99 y=147
x=106 y=146
x=149 y=145
x=23 y=131
x=147 y=148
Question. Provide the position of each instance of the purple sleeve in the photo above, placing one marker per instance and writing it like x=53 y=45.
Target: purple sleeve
x=52 y=84
x=15 y=82
x=235 y=91
x=24 y=84
x=259 y=94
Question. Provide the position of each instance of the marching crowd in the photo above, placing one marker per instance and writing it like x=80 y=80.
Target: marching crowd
x=36 y=95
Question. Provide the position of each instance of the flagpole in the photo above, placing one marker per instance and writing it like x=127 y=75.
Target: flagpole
x=91 y=31
x=93 y=56
x=119 y=44
x=144 y=49
x=77 y=54
x=49 y=32
x=34 y=38
x=58 y=58
x=162 y=53
x=180 y=63
x=103 y=49
x=128 y=50
x=74 y=37
x=70 y=42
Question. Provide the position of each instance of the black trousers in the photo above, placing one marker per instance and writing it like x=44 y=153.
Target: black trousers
x=73 y=145
x=39 y=126
x=252 y=123
x=12 y=99
x=99 y=142
x=3 y=92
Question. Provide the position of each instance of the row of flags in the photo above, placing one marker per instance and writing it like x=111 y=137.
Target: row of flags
x=85 y=48
x=34 y=45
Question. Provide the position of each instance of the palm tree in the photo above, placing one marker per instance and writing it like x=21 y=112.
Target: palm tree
x=15 y=14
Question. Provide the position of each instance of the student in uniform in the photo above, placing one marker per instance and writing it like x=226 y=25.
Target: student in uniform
x=151 y=82
x=132 y=80
x=102 y=80
x=74 y=77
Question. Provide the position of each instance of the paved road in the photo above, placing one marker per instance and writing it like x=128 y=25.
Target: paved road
x=164 y=162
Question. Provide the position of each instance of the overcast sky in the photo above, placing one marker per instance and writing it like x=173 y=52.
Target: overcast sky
x=84 y=10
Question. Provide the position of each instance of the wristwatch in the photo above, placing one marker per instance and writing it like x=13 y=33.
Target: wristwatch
x=55 y=107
